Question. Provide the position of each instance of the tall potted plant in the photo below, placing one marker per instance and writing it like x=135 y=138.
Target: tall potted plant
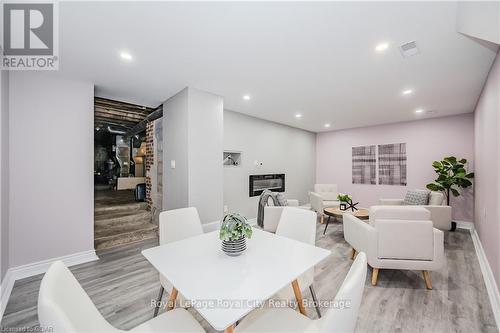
x=452 y=177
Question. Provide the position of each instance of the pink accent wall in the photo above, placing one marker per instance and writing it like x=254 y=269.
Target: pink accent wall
x=426 y=141
x=487 y=156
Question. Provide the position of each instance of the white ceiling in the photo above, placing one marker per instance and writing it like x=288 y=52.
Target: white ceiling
x=317 y=59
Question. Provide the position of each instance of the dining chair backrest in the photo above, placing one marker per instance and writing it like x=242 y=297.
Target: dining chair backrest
x=343 y=315
x=177 y=224
x=298 y=224
x=64 y=306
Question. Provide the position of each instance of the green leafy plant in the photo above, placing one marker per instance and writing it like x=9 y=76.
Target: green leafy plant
x=344 y=197
x=452 y=177
x=233 y=227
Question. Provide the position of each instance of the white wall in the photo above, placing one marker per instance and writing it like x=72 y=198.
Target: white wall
x=487 y=155
x=281 y=149
x=426 y=141
x=51 y=167
x=175 y=147
x=192 y=136
x=479 y=19
x=205 y=154
x=4 y=173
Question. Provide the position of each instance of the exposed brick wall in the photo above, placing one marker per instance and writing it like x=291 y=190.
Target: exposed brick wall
x=149 y=161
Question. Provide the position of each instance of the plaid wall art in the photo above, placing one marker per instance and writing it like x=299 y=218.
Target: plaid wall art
x=392 y=164
x=364 y=165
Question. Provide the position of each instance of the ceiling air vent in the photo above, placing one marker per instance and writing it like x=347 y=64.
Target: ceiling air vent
x=409 y=49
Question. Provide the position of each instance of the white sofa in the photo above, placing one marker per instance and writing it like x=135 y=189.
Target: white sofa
x=397 y=238
x=323 y=196
x=272 y=214
x=440 y=212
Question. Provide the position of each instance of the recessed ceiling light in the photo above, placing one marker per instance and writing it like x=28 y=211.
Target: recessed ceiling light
x=419 y=110
x=407 y=92
x=327 y=125
x=246 y=97
x=381 y=47
x=298 y=115
x=125 y=56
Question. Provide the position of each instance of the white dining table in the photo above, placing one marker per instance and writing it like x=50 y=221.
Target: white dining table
x=223 y=289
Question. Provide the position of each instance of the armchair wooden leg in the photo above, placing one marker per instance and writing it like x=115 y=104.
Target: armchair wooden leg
x=322 y=219
x=374 y=276
x=427 y=279
x=353 y=253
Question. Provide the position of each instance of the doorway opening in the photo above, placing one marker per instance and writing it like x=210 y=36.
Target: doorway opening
x=125 y=206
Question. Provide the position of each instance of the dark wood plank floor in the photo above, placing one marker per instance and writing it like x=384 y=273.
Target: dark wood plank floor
x=123 y=285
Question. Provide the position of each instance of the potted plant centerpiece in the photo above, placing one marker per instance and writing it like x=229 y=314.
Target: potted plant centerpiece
x=233 y=232
x=344 y=199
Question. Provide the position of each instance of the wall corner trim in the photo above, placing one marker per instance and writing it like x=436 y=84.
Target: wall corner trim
x=20 y=272
x=489 y=278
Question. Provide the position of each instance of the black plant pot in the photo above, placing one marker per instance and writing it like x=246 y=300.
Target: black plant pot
x=235 y=247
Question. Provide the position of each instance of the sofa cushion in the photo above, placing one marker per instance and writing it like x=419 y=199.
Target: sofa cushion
x=398 y=213
x=405 y=240
x=436 y=198
x=331 y=203
x=416 y=198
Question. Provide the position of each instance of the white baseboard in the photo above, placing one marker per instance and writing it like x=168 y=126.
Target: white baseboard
x=489 y=278
x=7 y=285
x=465 y=225
x=20 y=272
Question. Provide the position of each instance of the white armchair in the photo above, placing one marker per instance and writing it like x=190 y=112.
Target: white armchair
x=272 y=214
x=440 y=213
x=324 y=196
x=397 y=238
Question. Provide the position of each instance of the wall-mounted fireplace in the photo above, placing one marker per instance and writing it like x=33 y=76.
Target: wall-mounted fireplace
x=259 y=183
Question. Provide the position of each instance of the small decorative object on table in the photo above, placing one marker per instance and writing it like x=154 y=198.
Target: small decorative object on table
x=233 y=232
x=346 y=202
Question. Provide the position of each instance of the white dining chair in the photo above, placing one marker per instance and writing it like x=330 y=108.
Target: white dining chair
x=176 y=224
x=300 y=225
x=64 y=307
x=342 y=317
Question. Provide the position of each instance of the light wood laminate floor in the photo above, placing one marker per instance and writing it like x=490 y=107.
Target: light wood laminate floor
x=123 y=284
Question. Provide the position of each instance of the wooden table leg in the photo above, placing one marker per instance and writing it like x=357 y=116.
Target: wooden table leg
x=298 y=297
x=171 y=299
x=230 y=329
